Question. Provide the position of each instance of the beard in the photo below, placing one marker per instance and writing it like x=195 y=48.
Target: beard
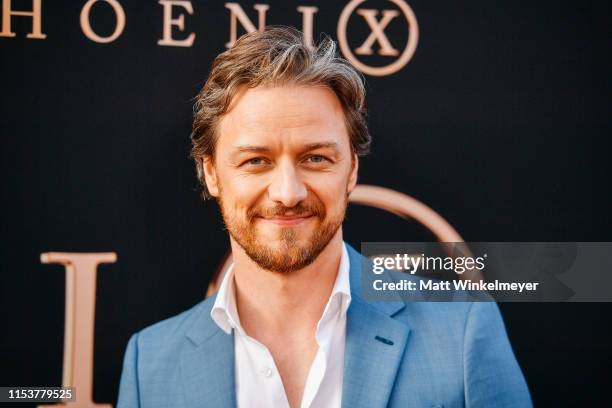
x=287 y=253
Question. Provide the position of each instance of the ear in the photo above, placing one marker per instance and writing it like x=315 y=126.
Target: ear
x=353 y=175
x=210 y=176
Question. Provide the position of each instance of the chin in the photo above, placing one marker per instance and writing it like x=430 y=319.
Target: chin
x=281 y=242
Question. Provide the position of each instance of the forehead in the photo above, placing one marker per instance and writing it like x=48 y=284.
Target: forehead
x=283 y=116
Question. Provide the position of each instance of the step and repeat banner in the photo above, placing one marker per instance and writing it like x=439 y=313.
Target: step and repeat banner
x=490 y=123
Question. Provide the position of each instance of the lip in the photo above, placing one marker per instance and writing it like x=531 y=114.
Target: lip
x=288 y=220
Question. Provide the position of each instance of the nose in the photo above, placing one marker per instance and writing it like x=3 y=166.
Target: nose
x=287 y=187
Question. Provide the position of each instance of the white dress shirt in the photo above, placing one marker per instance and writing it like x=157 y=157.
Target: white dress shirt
x=258 y=383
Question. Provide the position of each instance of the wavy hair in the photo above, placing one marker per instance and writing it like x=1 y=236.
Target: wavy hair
x=276 y=56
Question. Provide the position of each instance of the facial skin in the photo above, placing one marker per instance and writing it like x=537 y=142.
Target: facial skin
x=282 y=172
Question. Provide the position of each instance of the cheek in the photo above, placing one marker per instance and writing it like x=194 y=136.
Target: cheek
x=332 y=183
x=330 y=190
x=239 y=192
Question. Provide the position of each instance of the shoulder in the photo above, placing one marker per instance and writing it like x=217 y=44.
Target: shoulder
x=157 y=352
x=172 y=331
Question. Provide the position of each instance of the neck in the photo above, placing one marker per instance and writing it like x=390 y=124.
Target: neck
x=264 y=299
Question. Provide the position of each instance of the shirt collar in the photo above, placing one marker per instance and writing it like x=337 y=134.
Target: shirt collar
x=225 y=313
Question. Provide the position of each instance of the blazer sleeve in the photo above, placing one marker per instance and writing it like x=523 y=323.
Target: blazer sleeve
x=128 y=387
x=492 y=375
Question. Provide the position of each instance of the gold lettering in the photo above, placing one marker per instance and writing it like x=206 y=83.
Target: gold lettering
x=7 y=12
x=179 y=22
x=86 y=26
x=307 y=20
x=238 y=14
x=80 y=311
x=378 y=33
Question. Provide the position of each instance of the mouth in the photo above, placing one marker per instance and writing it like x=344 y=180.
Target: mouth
x=288 y=220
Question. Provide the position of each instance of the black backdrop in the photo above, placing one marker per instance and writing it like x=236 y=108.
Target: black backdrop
x=500 y=122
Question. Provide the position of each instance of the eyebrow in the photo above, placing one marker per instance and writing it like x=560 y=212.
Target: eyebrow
x=306 y=147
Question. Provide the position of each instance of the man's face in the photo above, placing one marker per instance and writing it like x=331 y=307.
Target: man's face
x=282 y=172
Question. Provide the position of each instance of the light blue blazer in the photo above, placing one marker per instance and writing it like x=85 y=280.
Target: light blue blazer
x=432 y=354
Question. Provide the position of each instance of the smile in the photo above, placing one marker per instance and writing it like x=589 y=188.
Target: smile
x=288 y=220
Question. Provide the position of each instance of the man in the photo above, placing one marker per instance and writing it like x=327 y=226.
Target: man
x=277 y=133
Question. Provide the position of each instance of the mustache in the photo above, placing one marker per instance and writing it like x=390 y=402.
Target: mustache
x=302 y=208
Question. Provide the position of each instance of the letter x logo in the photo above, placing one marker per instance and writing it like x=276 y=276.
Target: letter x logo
x=378 y=21
x=378 y=32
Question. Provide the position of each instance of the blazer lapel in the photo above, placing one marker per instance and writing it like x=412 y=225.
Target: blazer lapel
x=375 y=345
x=207 y=364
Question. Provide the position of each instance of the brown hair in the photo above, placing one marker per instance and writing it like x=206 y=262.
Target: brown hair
x=276 y=56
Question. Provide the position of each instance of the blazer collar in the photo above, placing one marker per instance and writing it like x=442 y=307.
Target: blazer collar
x=357 y=262
x=375 y=344
x=204 y=327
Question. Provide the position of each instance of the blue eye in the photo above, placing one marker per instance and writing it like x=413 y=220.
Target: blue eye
x=316 y=159
x=255 y=161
